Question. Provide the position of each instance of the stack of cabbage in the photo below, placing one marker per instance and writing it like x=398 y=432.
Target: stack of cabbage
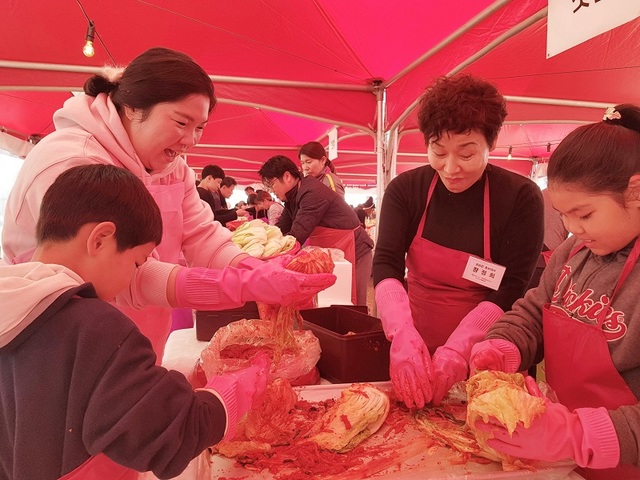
x=262 y=240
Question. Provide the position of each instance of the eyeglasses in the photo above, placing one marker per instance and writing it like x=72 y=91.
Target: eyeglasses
x=268 y=184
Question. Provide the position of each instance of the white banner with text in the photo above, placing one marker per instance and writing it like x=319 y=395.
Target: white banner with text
x=571 y=22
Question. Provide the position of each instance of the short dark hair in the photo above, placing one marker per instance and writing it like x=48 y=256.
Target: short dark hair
x=99 y=193
x=276 y=167
x=214 y=170
x=158 y=75
x=600 y=157
x=459 y=104
x=249 y=188
x=228 y=181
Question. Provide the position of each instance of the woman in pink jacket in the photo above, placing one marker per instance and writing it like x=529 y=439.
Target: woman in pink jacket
x=144 y=118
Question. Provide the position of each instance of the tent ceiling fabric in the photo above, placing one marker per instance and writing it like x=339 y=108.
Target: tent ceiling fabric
x=287 y=71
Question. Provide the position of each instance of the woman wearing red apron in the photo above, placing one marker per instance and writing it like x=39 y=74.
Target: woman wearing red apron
x=584 y=315
x=468 y=233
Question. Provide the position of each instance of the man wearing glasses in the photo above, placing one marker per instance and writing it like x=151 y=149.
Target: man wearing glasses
x=316 y=215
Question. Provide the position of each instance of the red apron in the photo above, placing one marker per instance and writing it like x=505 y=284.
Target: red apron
x=155 y=322
x=344 y=240
x=593 y=380
x=439 y=296
x=101 y=467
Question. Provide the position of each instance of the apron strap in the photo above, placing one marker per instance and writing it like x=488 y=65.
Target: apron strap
x=486 y=227
x=628 y=266
x=331 y=182
x=486 y=214
x=626 y=270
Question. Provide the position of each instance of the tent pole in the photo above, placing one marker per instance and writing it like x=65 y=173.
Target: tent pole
x=355 y=126
x=58 y=67
x=558 y=101
x=393 y=157
x=482 y=52
x=451 y=38
x=381 y=106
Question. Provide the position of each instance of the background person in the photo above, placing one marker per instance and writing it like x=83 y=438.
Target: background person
x=103 y=409
x=249 y=190
x=143 y=118
x=319 y=216
x=264 y=201
x=314 y=162
x=554 y=234
x=584 y=315
x=554 y=230
x=445 y=217
x=364 y=211
x=223 y=213
x=209 y=185
x=252 y=206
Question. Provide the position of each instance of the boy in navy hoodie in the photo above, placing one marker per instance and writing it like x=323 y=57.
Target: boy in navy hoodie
x=80 y=394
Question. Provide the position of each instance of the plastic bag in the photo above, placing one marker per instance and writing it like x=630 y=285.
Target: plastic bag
x=203 y=466
x=233 y=346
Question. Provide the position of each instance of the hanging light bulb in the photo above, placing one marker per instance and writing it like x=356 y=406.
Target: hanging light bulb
x=549 y=147
x=510 y=152
x=88 y=46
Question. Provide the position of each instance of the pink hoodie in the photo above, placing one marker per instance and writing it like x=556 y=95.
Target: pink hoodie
x=89 y=130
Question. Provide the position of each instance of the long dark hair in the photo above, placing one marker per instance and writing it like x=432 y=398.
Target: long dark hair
x=158 y=75
x=602 y=156
x=316 y=150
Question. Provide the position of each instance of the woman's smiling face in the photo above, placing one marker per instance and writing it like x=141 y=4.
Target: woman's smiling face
x=168 y=130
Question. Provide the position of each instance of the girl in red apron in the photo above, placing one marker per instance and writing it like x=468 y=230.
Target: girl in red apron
x=584 y=314
x=468 y=258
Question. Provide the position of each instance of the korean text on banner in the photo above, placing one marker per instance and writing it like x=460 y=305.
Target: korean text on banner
x=333 y=143
x=571 y=22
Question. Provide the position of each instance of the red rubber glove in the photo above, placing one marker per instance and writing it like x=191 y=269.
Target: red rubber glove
x=268 y=282
x=409 y=359
x=586 y=435
x=494 y=354
x=239 y=390
x=450 y=361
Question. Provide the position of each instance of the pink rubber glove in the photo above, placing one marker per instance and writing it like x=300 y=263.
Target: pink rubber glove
x=269 y=282
x=450 y=361
x=251 y=263
x=586 y=435
x=494 y=354
x=409 y=360
x=239 y=390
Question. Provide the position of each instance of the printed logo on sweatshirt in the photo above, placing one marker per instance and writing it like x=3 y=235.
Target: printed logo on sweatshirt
x=587 y=306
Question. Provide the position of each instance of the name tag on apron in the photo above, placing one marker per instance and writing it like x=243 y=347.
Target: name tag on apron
x=484 y=273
